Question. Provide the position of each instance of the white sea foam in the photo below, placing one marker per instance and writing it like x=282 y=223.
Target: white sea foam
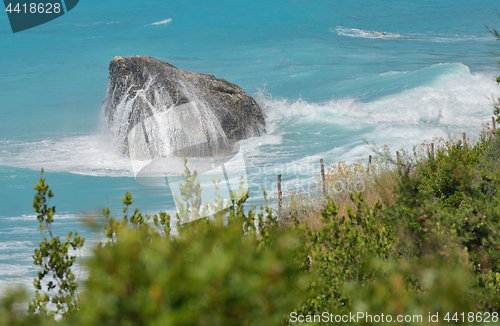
x=449 y=100
x=161 y=22
x=454 y=103
x=32 y=217
x=354 y=32
x=16 y=230
x=18 y=245
x=428 y=37
x=98 y=23
x=460 y=101
x=88 y=155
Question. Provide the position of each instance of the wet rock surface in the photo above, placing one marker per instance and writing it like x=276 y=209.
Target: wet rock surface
x=162 y=109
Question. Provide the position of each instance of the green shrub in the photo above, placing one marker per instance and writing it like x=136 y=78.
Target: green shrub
x=432 y=248
x=212 y=273
x=339 y=251
x=442 y=173
x=60 y=291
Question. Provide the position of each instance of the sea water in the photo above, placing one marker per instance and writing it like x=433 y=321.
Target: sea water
x=331 y=77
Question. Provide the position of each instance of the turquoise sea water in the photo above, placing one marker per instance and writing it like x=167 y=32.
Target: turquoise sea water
x=328 y=75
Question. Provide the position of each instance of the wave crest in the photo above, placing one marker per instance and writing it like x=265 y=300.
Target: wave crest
x=354 y=32
x=161 y=22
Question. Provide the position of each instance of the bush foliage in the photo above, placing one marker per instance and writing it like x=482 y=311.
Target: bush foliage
x=432 y=247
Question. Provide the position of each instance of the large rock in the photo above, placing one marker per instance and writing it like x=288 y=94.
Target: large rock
x=155 y=109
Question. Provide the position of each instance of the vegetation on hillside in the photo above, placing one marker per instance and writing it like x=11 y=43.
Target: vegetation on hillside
x=427 y=243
